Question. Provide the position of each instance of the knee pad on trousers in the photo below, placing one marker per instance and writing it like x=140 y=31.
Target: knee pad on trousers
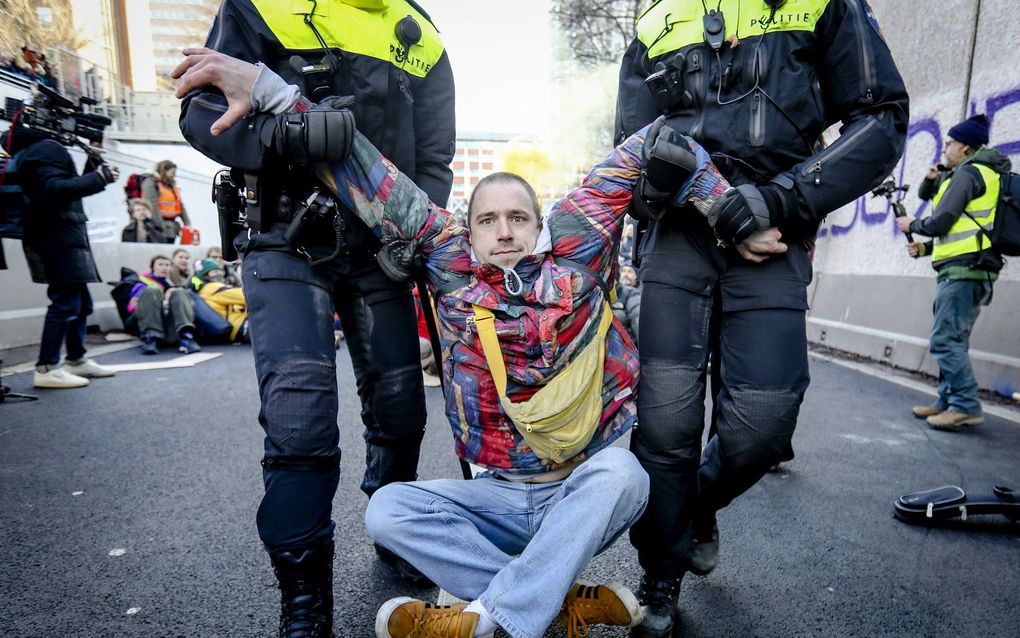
x=671 y=413
x=398 y=404
x=756 y=426
x=299 y=407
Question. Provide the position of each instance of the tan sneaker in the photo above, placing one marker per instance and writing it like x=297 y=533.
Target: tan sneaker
x=609 y=604
x=951 y=419
x=925 y=411
x=405 y=617
x=58 y=378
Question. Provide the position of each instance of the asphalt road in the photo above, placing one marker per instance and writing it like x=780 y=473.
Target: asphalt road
x=127 y=509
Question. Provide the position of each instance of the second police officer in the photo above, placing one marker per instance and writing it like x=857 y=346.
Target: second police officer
x=384 y=60
x=755 y=82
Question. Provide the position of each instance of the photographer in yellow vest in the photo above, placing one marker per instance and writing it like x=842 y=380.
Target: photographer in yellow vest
x=964 y=192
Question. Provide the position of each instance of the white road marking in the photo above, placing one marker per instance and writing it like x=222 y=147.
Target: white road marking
x=118 y=551
x=78 y=493
x=1002 y=412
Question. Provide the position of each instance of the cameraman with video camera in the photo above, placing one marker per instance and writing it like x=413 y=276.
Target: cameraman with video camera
x=55 y=240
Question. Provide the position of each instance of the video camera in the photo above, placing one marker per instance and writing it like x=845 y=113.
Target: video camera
x=58 y=118
x=888 y=189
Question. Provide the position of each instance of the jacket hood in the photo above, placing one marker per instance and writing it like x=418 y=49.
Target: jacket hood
x=993 y=159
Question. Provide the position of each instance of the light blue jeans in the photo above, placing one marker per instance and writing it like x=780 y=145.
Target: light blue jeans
x=515 y=547
x=957 y=304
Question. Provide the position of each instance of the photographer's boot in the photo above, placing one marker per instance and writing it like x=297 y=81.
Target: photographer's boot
x=305 y=577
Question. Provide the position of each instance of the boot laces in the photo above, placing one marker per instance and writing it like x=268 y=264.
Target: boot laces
x=300 y=610
x=655 y=591
x=576 y=623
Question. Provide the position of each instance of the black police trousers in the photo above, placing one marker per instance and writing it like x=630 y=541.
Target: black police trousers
x=698 y=299
x=290 y=310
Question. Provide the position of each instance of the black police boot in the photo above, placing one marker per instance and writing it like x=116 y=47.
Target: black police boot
x=658 y=598
x=305 y=576
x=408 y=572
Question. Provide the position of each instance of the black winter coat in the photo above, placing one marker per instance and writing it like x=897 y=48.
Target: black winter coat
x=56 y=242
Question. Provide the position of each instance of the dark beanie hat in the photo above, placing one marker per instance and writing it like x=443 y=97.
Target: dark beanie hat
x=973 y=131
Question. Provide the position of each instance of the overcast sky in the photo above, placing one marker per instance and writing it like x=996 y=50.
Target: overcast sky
x=500 y=52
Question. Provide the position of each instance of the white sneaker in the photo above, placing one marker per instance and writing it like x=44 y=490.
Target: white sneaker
x=89 y=369
x=58 y=378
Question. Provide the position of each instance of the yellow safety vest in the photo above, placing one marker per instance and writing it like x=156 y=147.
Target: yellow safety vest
x=363 y=28
x=668 y=26
x=965 y=235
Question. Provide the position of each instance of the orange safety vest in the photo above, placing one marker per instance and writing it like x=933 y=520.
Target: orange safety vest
x=169 y=201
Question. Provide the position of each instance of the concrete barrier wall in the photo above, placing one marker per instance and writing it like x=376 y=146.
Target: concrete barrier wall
x=958 y=57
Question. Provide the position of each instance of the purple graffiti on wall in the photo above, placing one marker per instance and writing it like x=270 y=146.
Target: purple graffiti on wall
x=871 y=213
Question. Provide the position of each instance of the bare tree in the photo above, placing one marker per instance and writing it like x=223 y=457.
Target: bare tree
x=43 y=25
x=597 y=30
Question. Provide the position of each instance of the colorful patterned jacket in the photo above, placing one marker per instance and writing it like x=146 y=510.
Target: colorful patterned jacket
x=541 y=330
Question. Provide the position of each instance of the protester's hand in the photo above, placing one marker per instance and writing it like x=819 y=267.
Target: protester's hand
x=915 y=249
x=933 y=172
x=761 y=245
x=903 y=223
x=234 y=78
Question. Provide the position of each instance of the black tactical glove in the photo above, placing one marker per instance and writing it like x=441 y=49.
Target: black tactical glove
x=110 y=174
x=399 y=259
x=668 y=162
x=739 y=213
x=323 y=134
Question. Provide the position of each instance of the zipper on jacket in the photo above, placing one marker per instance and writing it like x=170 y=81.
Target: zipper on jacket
x=840 y=148
x=864 y=50
x=757 y=119
x=697 y=71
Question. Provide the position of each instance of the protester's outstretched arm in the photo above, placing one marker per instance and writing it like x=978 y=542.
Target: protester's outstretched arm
x=369 y=184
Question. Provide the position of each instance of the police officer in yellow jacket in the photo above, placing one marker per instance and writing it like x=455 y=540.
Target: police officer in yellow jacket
x=963 y=197
x=755 y=82
x=305 y=257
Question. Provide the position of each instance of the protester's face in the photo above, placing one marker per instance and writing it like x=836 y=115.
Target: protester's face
x=181 y=260
x=216 y=256
x=215 y=275
x=504 y=224
x=955 y=152
x=171 y=172
x=161 y=268
x=628 y=276
x=139 y=212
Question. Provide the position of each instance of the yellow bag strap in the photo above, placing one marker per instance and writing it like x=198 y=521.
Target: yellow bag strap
x=486 y=323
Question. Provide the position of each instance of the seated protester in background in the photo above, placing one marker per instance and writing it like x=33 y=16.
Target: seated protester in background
x=180 y=268
x=535 y=294
x=142 y=228
x=226 y=300
x=163 y=312
x=627 y=306
x=230 y=274
x=163 y=194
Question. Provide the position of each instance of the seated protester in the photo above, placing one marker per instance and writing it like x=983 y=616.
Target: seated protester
x=231 y=275
x=142 y=228
x=527 y=335
x=627 y=306
x=226 y=300
x=164 y=313
x=180 y=270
